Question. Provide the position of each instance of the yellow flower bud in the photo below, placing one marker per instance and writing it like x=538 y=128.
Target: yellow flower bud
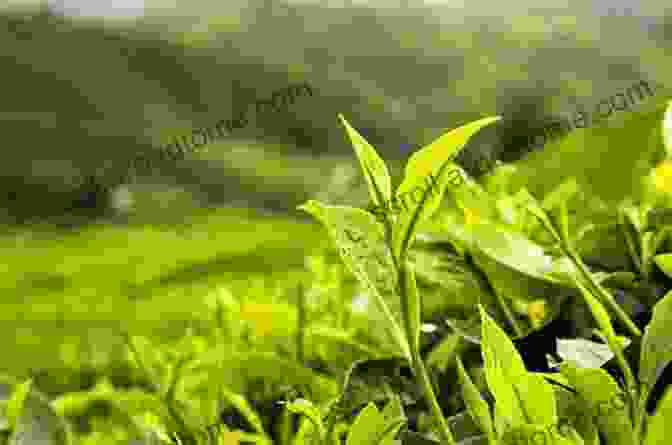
x=536 y=311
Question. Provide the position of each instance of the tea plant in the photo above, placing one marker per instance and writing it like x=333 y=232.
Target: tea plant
x=523 y=258
x=377 y=253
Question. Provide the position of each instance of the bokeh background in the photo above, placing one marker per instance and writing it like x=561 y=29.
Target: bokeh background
x=90 y=247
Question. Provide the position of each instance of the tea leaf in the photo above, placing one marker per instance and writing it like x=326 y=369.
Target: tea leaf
x=604 y=399
x=16 y=404
x=477 y=407
x=374 y=169
x=413 y=306
x=366 y=427
x=305 y=407
x=664 y=262
x=656 y=351
x=362 y=248
x=657 y=427
x=432 y=163
x=667 y=130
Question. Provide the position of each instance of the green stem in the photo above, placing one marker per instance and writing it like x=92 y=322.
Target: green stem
x=641 y=413
x=301 y=324
x=417 y=363
x=604 y=295
x=566 y=247
x=509 y=314
x=630 y=243
x=630 y=382
x=439 y=420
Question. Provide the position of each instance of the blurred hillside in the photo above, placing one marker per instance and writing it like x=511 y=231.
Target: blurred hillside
x=82 y=97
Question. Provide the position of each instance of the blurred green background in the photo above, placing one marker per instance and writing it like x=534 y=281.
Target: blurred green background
x=91 y=248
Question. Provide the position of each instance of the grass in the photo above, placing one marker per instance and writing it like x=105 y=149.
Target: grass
x=84 y=287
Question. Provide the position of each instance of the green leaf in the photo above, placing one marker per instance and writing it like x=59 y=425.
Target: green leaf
x=361 y=244
x=431 y=163
x=30 y=416
x=367 y=426
x=598 y=311
x=667 y=130
x=374 y=380
x=664 y=262
x=541 y=434
x=514 y=251
x=656 y=352
x=393 y=409
x=605 y=401
x=243 y=406
x=561 y=194
x=305 y=407
x=413 y=438
x=657 y=426
x=441 y=355
x=463 y=426
x=373 y=167
x=390 y=430
x=477 y=407
x=15 y=405
x=537 y=399
x=412 y=306
x=520 y=397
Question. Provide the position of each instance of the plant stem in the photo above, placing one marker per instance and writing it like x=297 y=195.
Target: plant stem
x=435 y=409
x=622 y=224
x=417 y=363
x=568 y=250
x=301 y=324
x=507 y=311
x=604 y=295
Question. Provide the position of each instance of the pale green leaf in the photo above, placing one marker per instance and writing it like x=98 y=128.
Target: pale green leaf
x=659 y=426
x=667 y=130
x=605 y=401
x=520 y=397
x=393 y=409
x=361 y=243
x=656 y=352
x=413 y=306
x=374 y=169
x=367 y=426
x=243 y=406
x=561 y=194
x=429 y=171
x=664 y=262
x=306 y=408
x=477 y=407
x=541 y=435
x=16 y=404
x=389 y=431
x=598 y=311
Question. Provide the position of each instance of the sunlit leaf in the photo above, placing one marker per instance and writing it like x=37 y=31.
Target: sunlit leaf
x=374 y=169
x=477 y=407
x=361 y=243
x=430 y=170
x=659 y=426
x=604 y=399
x=656 y=352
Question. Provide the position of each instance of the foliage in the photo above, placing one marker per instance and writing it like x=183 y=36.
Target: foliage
x=306 y=365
